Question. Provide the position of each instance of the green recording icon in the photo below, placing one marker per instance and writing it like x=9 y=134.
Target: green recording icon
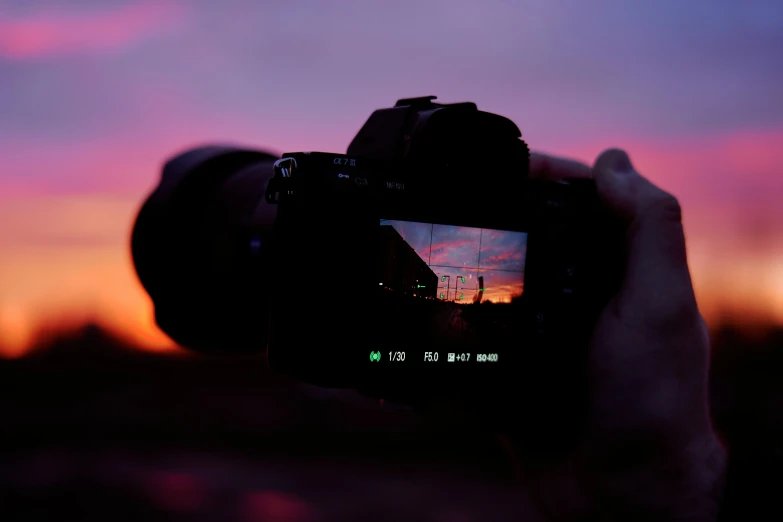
x=375 y=356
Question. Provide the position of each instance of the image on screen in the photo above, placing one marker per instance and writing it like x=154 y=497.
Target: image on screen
x=450 y=285
x=451 y=263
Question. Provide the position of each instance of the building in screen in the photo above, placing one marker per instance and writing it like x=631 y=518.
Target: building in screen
x=401 y=269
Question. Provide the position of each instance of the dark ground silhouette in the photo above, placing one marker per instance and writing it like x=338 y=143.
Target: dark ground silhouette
x=93 y=429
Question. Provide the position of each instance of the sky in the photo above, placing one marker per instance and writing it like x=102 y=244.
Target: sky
x=96 y=94
x=464 y=252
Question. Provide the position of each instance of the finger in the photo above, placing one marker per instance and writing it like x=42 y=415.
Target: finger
x=543 y=166
x=657 y=289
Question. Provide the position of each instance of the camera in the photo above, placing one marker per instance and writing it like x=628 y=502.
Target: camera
x=423 y=263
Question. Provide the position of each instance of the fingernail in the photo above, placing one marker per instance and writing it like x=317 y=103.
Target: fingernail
x=620 y=162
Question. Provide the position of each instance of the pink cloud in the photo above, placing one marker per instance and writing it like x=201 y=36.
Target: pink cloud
x=55 y=34
x=497 y=260
x=439 y=252
x=127 y=162
x=735 y=159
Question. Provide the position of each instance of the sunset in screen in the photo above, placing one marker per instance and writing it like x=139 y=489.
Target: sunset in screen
x=95 y=96
x=456 y=253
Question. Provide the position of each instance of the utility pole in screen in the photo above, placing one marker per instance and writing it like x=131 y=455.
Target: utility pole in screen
x=457 y=295
x=447 y=279
x=480 y=290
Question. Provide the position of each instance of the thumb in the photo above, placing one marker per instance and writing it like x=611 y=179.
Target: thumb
x=657 y=291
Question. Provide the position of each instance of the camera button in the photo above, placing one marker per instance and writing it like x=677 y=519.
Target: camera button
x=342 y=182
x=284 y=167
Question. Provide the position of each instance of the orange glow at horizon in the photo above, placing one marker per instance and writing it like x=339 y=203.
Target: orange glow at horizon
x=66 y=262
x=50 y=277
x=501 y=294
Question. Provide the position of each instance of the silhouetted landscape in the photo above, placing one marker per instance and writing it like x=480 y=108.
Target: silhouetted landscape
x=95 y=429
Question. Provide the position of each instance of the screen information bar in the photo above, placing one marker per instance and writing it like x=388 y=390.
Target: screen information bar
x=432 y=357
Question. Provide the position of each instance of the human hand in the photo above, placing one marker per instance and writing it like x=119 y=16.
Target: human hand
x=650 y=452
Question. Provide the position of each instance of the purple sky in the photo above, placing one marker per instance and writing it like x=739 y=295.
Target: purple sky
x=287 y=74
x=100 y=82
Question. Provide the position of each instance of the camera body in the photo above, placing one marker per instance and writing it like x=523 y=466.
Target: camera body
x=427 y=263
